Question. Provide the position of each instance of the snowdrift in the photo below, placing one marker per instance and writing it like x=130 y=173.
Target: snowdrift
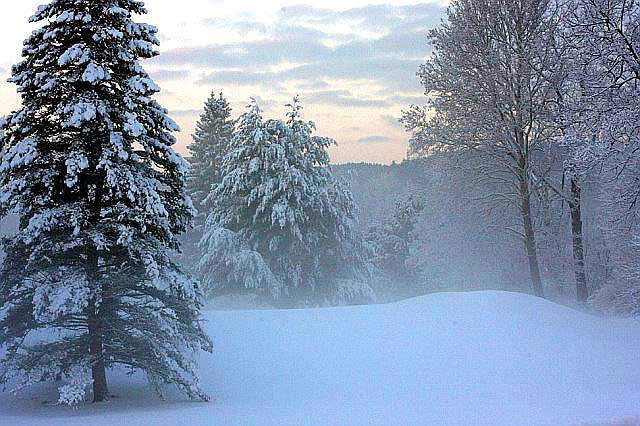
x=485 y=358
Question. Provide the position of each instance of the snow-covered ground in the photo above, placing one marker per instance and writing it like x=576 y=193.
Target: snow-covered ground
x=485 y=358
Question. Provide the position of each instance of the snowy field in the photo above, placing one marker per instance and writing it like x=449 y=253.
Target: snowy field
x=485 y=358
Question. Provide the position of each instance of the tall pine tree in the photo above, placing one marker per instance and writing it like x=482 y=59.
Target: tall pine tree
x=211 y=142
x=87 y=163
x=227 y=263
x=280 y=198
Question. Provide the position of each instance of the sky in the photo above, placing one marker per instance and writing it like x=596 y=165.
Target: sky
x=352 y=62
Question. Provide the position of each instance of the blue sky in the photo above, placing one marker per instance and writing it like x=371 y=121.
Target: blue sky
x=352 y=62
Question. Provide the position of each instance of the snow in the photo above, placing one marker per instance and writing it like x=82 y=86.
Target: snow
x=94 y=73
x=77 y=53
x=76 y=163
x=133 y=126
x=143 y=85
x=484 y=358
x=227 y=259
x=74 y=392
x=117 y=11
x=80 y=113
x=59 y=296
x=21 y=154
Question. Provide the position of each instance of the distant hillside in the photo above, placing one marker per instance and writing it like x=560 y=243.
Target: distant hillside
x=459 y=248
x=376 y=187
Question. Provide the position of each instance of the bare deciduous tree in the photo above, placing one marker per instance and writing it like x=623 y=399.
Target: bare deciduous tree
x=490 y=83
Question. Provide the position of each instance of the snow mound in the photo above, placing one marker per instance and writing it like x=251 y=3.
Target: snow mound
x=483 y=358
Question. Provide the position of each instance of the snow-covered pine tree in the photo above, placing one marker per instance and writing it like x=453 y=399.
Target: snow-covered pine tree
x=392 y=246
x=211 y=142
x=227 y=263
x=279 y=197
x=392 y=241
x=87 y=163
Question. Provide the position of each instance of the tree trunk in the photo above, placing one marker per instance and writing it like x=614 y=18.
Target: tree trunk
x=94 y=315
x=530 y=236
x=98 y=370
x=582 y=290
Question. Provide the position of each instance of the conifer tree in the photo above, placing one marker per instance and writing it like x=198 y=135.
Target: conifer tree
x=211 y=142
x=227 y=263
x=279 y=197
x=392 y=242
x=88 y=283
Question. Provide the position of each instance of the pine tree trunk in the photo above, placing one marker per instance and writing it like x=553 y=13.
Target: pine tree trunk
x=98 y=370
x=582 y=291
x=530 y=237
x=94 y=317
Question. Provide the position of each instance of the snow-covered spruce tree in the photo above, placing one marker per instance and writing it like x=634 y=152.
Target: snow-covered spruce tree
x=87 y=163
x=211 y=142
x=391 y=243
x=279 y=198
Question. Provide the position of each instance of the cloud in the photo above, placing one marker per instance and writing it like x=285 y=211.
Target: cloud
x=378 y=16
x=394 y=74
x=375 y=139
x=342 y=98
x=313 y=85
x=400 y=31
x=266 y=104
x=242 y=27
x=239 y=78
x=185 y=112
x=286 y=45
x=408 y=100
x=169 y=75
x=392 y=120
x=305 y=40
x=363 y=58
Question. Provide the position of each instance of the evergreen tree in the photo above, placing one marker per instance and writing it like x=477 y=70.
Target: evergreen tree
x=87 y=163
x=211 y=142
x=392 y=242
x=228 y=264
x=278 y=196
